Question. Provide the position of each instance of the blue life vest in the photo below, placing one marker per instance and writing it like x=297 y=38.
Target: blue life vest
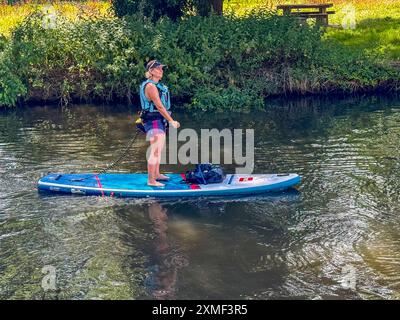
x=164 y=96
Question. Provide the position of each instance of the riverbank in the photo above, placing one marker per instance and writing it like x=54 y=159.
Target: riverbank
x=232 y=62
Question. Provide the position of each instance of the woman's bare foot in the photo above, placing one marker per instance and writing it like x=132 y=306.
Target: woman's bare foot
x=155 y=184
x=162 y=177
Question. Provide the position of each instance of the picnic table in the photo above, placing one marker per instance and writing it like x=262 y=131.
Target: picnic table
x=297 y=10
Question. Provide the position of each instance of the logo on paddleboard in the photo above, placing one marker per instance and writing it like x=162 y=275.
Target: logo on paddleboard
x=78 y=191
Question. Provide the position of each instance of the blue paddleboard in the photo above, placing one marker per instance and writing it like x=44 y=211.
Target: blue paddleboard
x=135 y=185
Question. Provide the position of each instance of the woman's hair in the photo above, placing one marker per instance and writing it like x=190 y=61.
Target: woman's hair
x=148 y=65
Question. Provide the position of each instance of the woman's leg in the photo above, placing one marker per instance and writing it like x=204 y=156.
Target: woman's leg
x=161 y=145
x=153 y=161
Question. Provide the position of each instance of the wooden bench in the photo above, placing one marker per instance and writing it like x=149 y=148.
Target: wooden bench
x=321 y=15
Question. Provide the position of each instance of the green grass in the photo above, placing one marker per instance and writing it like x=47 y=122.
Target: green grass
x=11 y=15
x=377 y=29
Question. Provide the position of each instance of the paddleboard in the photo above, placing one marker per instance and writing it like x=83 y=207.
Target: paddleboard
x=135 y=185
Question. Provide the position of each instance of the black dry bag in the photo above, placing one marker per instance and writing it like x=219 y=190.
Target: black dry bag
x=205 y=173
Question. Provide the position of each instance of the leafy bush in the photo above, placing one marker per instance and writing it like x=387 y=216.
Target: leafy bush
x=153 y=9
x=89 y=59
x=11 y=87
x=214 y=63
x=3 y=42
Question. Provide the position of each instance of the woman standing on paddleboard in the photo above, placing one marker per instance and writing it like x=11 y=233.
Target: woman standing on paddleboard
x=155 y=102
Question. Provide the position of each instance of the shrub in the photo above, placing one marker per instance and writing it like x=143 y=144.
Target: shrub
x=11 y=87
x=214 y=63
x=153 y=9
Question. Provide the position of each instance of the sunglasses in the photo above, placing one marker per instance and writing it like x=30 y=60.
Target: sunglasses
x=155 y=64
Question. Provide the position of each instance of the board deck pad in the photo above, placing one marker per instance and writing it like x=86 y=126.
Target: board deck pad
x=135 y=185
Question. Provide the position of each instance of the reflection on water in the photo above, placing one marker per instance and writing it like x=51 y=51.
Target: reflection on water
x=337 y=237
x=166 y=258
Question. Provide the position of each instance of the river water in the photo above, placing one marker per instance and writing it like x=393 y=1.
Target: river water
x=336 y=237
